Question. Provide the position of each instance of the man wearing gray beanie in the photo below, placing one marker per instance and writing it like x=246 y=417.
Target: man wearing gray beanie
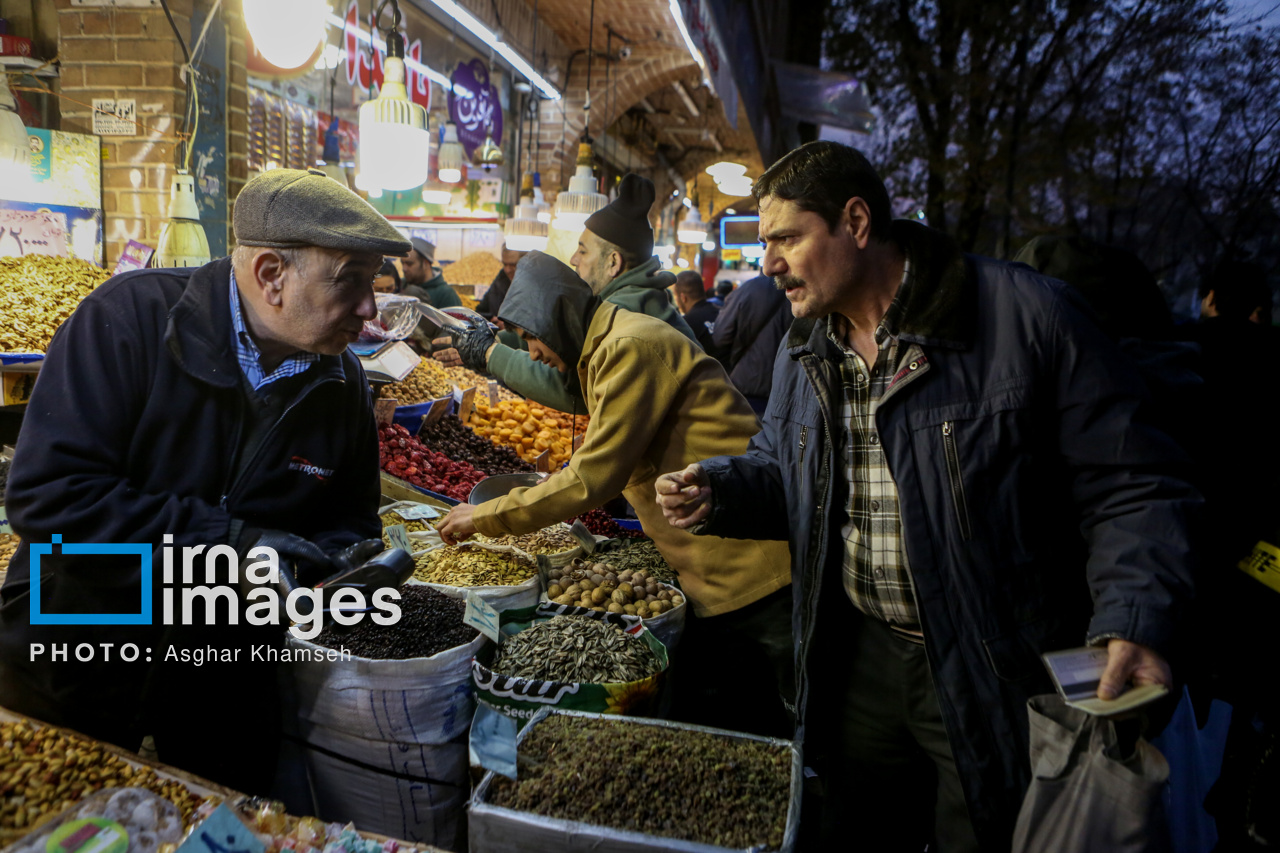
x=615 y=257
x=216 y=407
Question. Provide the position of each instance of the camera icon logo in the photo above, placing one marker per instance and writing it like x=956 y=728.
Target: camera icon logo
x=143 y=552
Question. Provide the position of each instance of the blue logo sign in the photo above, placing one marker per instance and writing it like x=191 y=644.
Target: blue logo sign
x=38 y=618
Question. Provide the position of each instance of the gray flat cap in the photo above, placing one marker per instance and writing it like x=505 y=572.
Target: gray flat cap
x=425 y=248
x=290 y=208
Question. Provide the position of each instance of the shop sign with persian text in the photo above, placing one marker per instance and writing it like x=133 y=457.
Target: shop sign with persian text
x=473 y=105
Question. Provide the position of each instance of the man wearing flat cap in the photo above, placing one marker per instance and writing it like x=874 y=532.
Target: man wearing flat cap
x=615 y=257
x=177 y=408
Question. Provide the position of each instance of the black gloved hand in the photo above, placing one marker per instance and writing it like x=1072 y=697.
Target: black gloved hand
x=473 y=344
x=306 y=557
x=354 y=556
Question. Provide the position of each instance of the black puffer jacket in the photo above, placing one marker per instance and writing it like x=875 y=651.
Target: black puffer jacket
x=752 y=323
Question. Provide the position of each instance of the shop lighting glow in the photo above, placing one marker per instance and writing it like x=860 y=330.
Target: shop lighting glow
x=286 y=32
x=753 y=253
x=332 y=57
x=490 y=39
x=182 y=240
x=15 y=150
x=684 y=34
x=708 y=246
x=724 y=170
x=451 y=158
x=394 y=142
x=440 y=197
x=524 y=232
x=576 y=204
x=682 y=263
x=692 y=229
x=736 y=187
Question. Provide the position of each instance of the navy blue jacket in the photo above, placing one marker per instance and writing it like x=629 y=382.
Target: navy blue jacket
x=130 y=434
x=1038 y=509
x=748 y=331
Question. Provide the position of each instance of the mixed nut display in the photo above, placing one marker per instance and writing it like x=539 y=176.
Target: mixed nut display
x=427 y=381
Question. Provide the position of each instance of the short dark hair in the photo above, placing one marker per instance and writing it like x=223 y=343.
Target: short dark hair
x=724 y=288
x=630 y=260
x=689 y=284
x=1239 y=288
x=389 y=268
x=821 y=177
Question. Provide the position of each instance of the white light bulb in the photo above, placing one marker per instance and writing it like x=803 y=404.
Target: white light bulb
x=286 y=32
x=682 y=262
x=450 y=176
x=708 y=246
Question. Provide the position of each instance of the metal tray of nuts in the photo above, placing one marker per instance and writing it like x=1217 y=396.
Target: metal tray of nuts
x=495 y=829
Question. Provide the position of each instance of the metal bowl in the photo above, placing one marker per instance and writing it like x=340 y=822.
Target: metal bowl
x=500 y=484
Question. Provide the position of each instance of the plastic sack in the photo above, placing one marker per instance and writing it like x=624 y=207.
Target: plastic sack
x=397 y=318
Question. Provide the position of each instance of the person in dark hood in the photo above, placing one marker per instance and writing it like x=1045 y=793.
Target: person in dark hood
x=615 y=258
x=655 y=400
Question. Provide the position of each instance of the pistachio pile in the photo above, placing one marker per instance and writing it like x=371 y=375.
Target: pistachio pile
x=465 y=565
x=575 y=649
x=414 y=525
x=672 y=782
x=597 y=586
x=8 y=546
x=548 y=541
x=427 y=381
x=42 y=771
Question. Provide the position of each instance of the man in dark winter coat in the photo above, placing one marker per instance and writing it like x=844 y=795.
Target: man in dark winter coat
x=697 y=310
x=752 y=323
x=203 y=408
x=959 y=458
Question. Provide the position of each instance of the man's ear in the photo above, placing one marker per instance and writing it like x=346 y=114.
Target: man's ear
x=856 y=219
x=615 y=264
x=268 y=270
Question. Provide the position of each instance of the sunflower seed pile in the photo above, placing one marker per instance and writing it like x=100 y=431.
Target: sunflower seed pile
x=576 y=649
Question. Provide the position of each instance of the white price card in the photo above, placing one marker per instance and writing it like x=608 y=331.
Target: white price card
x=221 y=832
x=481 y=616
x=5 y=526
x=398 y=360
x=493 y=393
x=418 y=511
x=399 y=537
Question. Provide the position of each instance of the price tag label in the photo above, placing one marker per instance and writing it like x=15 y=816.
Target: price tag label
x=481 y=616
x=577 y=441
x=468 y=404
x=384 y=411
x=5 y=526
x=222 y=832
x=399 y=537
x=418 y=511
x=584 y=536
x=542 y=462
x=493 y=740
x=439 y=408
x=493 y=393
x=398 y=360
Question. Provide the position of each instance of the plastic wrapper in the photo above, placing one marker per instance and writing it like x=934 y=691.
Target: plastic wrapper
x=136 y=817
x=397 y=318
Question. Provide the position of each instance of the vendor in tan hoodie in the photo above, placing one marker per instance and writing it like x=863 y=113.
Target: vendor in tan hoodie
x=657 y=403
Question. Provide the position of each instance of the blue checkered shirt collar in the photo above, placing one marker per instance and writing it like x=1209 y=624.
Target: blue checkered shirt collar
x=250 y=357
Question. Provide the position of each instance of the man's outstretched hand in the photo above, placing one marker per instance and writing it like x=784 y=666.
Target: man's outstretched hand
x=685 y=496
x=1127 y=661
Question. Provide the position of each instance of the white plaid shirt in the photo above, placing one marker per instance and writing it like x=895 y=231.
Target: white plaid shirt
x=250 y=357
x=876 y=577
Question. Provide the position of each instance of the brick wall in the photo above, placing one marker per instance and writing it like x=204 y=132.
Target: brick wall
x=126 y=53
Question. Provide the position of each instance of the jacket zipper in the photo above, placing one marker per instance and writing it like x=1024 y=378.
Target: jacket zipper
x=804 y=434
x=804 y=641
x=957 y=482
x=244 y=471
